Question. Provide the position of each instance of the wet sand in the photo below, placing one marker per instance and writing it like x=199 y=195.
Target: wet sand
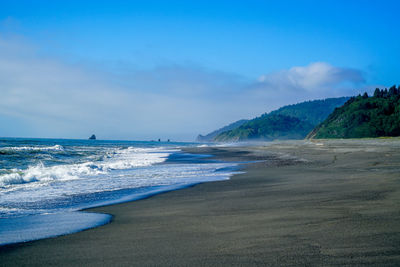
x=318 y=203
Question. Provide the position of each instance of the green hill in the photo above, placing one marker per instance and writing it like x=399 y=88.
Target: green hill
x=268 y=128
x=289 y=122
x=209 y=137
x=364 y=116
x=314 y=111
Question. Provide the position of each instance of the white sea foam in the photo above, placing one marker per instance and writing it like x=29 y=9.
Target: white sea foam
x=133 y=157
x=33 y=148
x=8 y=210
x=115 y=160
x=203 y=145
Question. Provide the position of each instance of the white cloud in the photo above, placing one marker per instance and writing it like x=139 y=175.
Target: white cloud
x=316 y=76
x=315 y=81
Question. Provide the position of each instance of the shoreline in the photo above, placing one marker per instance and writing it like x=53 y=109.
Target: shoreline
x=98 y=219
x=314 y=204
x=35 y=227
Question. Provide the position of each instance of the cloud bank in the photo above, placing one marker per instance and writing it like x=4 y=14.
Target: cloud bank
x=314 y=77
x=46 y=97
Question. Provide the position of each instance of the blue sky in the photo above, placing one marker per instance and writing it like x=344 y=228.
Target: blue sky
x=184 y=66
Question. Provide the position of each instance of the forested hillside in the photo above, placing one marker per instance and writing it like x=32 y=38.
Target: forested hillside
x=210 y=137
x=289 y=122
x=364 y=116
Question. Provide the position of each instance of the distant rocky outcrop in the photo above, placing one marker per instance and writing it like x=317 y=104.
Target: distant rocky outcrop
x=93 y=137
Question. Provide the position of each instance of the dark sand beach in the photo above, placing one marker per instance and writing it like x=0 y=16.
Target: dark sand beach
x=319 y=203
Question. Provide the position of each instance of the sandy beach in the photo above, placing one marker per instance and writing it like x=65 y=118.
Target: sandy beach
x=319 y=203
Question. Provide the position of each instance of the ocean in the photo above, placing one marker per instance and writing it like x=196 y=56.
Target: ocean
x=44 y=183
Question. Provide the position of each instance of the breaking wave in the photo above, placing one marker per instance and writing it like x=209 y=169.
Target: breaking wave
x=33 y=148
x=119 y=159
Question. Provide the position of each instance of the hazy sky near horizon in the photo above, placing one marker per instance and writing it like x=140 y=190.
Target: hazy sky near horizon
x=143 y=70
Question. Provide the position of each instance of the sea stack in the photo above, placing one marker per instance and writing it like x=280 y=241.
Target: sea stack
x=93 y=137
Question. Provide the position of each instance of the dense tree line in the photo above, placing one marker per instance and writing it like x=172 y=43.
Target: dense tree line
x=364 y=116
x=392 y=92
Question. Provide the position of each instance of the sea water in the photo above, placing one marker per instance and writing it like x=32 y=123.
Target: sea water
x=45 y=182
